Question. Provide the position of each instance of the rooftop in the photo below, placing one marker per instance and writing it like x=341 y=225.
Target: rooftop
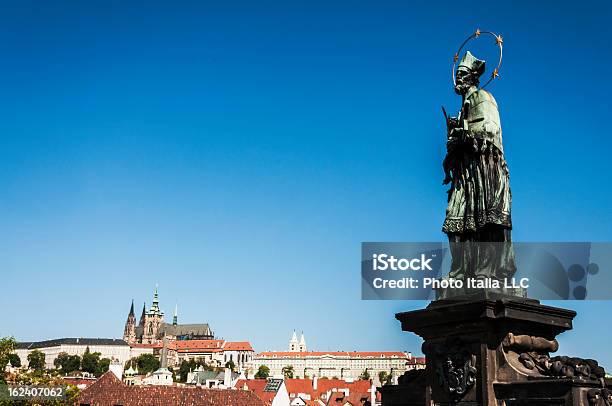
x=109 y=391
x=31 y=345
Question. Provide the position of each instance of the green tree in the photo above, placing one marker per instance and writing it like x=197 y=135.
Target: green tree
x=36 y=360
x=103 y=366
x=90 y=362
x=384 y=377
x=230 y=364
x=365 y=375
x=147 y=363
x=263 y=372
x=288 y=372
x=7 y=346
x=185 y=368
x=15 y=360
x=67 y=363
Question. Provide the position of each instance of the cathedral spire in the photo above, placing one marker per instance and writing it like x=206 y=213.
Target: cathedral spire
x=142 y=316
x=129 y=331
x=155 y=304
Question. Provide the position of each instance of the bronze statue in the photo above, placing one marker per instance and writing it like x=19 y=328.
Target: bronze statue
x=479 y=198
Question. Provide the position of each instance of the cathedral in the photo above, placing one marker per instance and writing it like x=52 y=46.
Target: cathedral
x=152 y=329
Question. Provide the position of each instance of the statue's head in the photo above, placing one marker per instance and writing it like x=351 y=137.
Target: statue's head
x=468 y=73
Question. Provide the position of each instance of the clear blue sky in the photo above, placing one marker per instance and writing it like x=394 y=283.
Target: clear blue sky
x=237 y=155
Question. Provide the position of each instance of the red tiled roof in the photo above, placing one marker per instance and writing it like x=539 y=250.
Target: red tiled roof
x=256 y=386
x=154 y=345
x=198 y=345
x=338 y=398
x=297 y=386
x=349 y=354
x=79 y=381
x=237 y=346
x=109 y=391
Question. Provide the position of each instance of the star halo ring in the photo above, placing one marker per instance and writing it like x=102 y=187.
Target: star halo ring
x=499 y=41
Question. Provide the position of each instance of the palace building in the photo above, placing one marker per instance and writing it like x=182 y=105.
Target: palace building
x=349 y=365
x=152 y=328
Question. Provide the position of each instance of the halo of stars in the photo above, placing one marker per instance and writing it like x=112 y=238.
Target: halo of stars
x=499 y=42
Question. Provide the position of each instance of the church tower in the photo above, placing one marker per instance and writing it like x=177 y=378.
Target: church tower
x=129 y=332
x=302 y=345
x=142 y=316
x=154 y=318
x=293 y=343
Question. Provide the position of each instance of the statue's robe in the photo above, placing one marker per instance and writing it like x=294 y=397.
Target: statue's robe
x=479 y=203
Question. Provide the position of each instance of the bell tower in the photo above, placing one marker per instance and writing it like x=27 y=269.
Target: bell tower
x=154 y=318
x=129 y=332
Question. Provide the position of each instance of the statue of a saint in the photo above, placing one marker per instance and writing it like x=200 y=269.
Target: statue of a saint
x=478 y=213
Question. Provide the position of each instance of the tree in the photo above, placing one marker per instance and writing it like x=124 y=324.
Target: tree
x=263 y=372
x=67 y=363
x=103 y=366
x=288 y=372
x=90 y=362
x=384 y=377
x=147 y=363
x=230 y=364
x=7 y=346
x=36 y=360
x=365 y=375
x=185 y=368
x=15 y=360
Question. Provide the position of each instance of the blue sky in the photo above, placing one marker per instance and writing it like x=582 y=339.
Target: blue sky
x=237 y=155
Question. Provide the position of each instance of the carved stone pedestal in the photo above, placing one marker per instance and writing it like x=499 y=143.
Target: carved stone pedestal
x=495 y=351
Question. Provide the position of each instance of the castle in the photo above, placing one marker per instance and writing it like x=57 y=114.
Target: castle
x=152 y=329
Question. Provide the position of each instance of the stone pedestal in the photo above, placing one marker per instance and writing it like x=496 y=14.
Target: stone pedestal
x=495 y=351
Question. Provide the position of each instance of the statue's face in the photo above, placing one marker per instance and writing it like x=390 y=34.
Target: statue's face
x=463 y=81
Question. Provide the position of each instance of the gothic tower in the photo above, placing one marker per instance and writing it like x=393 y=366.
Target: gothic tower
x=142 y=316
x=302 y=345
x=129 y=332
x=153 y=320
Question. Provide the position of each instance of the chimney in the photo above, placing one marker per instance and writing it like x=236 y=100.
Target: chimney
x=314 y=382
x=373 y=394
x=227 y=378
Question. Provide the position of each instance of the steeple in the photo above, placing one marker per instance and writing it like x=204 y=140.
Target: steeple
x=175 y=318
x=293 y=343
x=129 y=331
x=302 y=346
x=142 y=316
x=155 y=304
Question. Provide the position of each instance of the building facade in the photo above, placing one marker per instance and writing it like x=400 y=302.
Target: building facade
x=216 y=353
x=113 y=349
x=152 y=328
x=337 y=364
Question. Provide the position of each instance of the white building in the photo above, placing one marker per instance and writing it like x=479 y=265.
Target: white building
x=107 y=347
x=336 y=364
x=215 y=353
